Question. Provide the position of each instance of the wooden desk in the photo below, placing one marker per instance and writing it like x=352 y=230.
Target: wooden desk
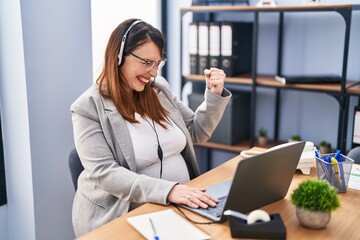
x=343 y=224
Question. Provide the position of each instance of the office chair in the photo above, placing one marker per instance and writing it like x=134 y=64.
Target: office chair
x=354 y=154
x=75 y=166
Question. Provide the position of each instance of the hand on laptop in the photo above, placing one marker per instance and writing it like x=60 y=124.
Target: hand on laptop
x=190 y=196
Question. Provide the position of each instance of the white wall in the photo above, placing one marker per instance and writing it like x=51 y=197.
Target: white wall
x=45 y=64
x=173 y=36
x=4 y=222
x=106 y=15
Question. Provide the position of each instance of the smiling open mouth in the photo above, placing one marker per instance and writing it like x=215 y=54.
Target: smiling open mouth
x=143 y=80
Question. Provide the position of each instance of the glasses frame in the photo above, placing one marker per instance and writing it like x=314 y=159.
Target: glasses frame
x=158 y=64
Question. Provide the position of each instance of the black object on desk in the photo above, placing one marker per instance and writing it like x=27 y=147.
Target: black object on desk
x=288 y=79
x=274 y=229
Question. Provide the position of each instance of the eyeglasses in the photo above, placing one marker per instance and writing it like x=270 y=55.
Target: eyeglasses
x=149 y=64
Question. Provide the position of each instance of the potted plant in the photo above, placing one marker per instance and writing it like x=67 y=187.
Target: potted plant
x=263 y=139
x=325 y=147
x=314 y=200
x=295 y=138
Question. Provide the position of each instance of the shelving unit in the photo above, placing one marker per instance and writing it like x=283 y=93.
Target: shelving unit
x=341 y=92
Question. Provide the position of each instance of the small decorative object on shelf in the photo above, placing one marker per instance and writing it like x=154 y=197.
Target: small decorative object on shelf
x=324 y=147
x=313 y=2
x=315 y=200
x=262 y=139
x=219 y=2
x=295 y=138
x=266 y=3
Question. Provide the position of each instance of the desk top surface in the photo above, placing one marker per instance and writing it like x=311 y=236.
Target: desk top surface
x=341 y=226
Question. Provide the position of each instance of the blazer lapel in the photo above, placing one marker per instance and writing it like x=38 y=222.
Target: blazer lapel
x=166 y=100
x=122 y=135
x=174 y=114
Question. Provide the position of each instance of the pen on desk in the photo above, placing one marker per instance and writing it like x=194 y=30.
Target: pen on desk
x=156 y=237
x=322 y=163
x=336 y=169
x=340 y=160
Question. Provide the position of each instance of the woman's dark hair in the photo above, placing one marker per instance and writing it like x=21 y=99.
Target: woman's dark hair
x=112 y=83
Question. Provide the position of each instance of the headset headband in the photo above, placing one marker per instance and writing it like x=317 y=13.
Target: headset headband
x=124 y=40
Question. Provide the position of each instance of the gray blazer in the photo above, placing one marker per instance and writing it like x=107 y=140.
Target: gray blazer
x=110 y=182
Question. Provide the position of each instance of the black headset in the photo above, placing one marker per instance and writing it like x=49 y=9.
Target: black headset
x=121 y=52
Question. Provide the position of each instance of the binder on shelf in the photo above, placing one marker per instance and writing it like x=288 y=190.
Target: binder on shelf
x=203 y=49
x=193 y=47
x=236 y=47
x=214 y=45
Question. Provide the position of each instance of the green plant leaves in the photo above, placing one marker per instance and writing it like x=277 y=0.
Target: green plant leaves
x=315 y=195
x=262 y=132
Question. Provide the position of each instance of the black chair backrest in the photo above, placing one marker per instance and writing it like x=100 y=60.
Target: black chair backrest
x=354 y=154
x=75 y=166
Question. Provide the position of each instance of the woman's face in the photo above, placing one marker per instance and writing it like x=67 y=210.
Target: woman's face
x=135 y=70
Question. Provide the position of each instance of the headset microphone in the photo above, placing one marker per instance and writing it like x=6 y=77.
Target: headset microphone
x=152 y=79
x=120 y=55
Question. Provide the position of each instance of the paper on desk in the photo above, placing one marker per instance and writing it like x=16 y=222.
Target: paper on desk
x=354 y=180
x=168 y=225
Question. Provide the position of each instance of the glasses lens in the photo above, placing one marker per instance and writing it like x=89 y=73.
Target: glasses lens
x=149 y=65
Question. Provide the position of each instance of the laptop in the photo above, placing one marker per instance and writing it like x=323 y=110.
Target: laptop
x=258 y=181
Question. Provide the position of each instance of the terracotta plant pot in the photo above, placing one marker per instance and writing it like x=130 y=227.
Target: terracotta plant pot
x=262 y=141
x=313 y=220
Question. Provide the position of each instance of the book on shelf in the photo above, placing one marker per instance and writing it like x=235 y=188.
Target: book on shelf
x=292 y=79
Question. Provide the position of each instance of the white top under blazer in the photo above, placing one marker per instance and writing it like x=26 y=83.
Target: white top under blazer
x=172 y=141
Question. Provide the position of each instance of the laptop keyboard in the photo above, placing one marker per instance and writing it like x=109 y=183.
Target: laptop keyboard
x=218 y=210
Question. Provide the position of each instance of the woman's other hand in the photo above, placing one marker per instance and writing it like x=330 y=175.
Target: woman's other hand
x=215 y=79
x=190 y=196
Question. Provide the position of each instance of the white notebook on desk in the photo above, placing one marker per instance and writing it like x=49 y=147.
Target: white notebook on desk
x=168 y=225
x=354 y=180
